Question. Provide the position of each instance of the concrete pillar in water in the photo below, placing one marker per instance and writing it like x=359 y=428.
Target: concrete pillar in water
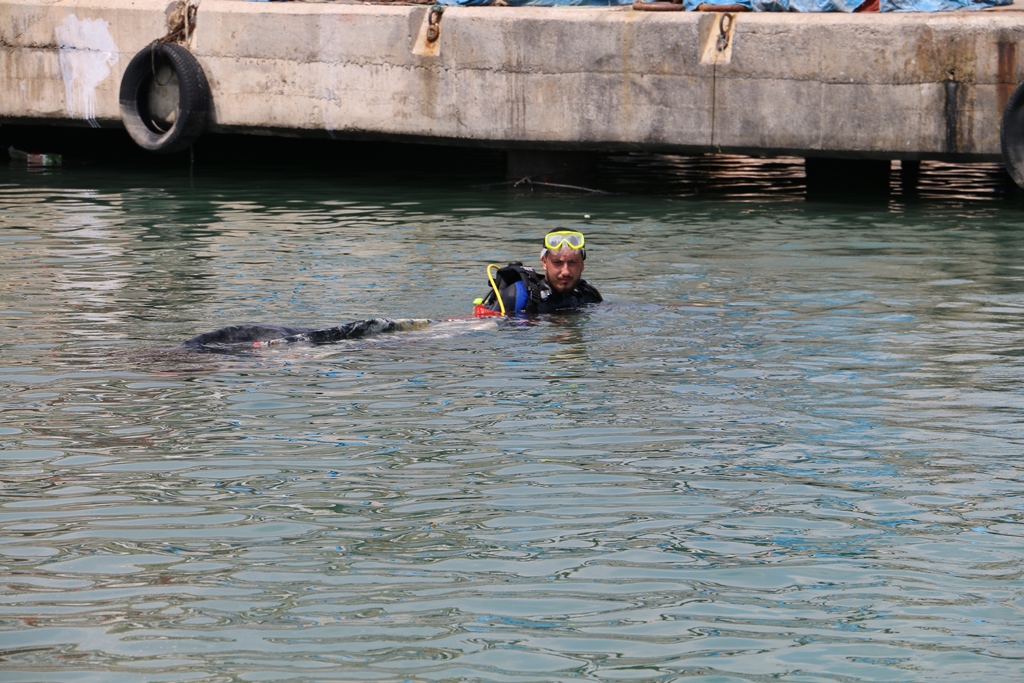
x=910 y=174
x=556 y=167
x=857 y=176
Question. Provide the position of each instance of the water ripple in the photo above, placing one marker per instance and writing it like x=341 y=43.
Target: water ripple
x=786 y=448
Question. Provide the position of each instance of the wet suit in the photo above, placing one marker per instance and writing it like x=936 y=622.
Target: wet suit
x=235 y=336
x=525 y=291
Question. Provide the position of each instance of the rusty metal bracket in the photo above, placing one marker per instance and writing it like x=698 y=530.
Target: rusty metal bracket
x=724 y=29
x=716 y=35
x=434 y=23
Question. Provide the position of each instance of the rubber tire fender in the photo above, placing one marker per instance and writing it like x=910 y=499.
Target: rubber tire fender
x=193 y=98
x=1011 y=136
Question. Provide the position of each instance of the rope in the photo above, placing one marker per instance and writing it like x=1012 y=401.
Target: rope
x=181 y=23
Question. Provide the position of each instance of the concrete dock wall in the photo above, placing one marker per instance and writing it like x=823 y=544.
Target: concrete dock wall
x=853 y=85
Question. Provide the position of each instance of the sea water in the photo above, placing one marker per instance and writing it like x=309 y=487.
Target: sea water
x=787 y=447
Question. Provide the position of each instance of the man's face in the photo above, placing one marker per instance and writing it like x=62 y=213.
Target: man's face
x=562 y=269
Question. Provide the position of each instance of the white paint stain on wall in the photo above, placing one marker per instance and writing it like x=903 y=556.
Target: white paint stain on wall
x=87 y=51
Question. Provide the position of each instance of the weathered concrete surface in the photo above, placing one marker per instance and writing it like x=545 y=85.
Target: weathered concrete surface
x=870 y=85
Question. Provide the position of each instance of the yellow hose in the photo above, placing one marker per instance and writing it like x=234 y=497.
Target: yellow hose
x=494 y=285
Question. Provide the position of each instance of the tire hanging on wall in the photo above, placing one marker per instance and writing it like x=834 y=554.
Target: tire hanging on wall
x=1011 y=136
x=193 y=105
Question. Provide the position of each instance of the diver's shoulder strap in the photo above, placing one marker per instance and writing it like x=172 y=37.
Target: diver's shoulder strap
x=589 y=292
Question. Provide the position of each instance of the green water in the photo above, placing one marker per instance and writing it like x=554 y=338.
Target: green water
x=787 y=447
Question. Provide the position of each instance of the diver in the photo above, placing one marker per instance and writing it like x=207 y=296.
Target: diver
x=517 y=289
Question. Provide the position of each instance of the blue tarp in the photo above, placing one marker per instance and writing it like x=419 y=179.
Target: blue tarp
x=850 y=5
x=768 y=5
x=938 y=5
x=542 y=3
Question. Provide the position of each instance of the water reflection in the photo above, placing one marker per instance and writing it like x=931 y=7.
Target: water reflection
x=784 y=179
x=787 y=447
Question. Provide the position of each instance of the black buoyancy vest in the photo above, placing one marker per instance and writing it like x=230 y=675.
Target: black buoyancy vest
x=524 y=290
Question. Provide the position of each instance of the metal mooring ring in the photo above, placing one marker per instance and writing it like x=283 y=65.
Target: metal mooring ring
x=434 y=23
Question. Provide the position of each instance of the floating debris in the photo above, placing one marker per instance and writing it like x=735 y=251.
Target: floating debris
x=34 y=159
